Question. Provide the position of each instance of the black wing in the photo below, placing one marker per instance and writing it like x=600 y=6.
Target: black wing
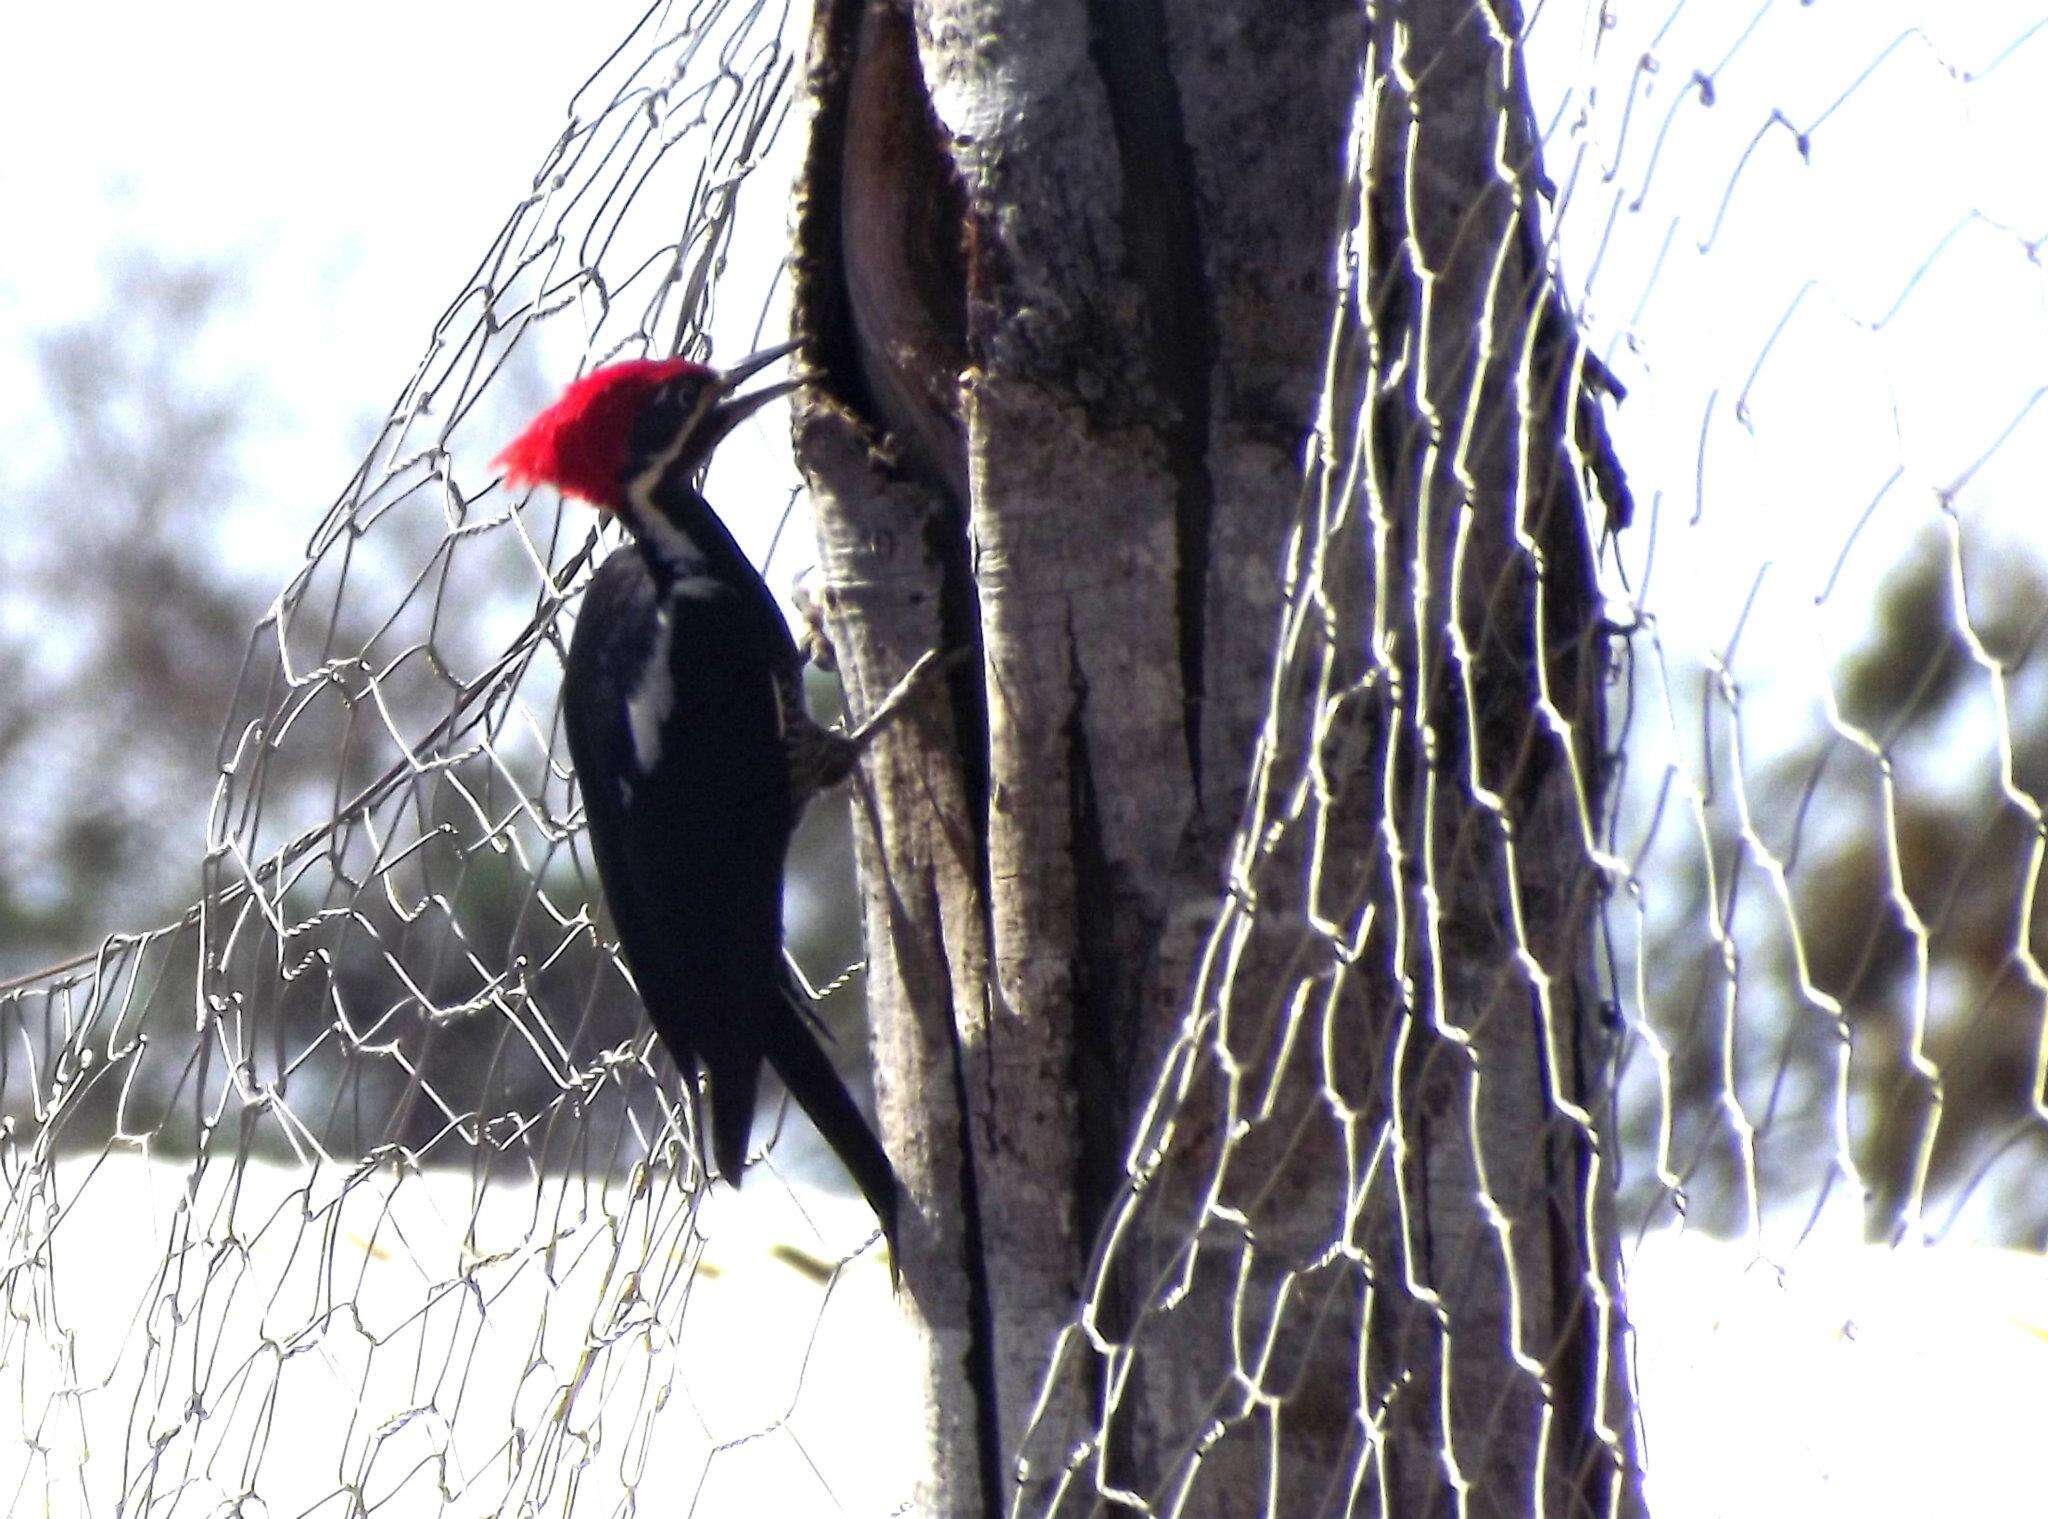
x=686 y=786
x=669 y=704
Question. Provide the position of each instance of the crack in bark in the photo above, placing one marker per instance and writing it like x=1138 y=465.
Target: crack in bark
x=980 y=1371
x=902 y=224
x=881 y=308
x=899 y=340
x=1099 y=1069
x=1161 y=219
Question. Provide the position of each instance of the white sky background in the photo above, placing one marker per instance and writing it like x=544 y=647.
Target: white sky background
x=349 y=166
x=353 y=164
x=1901 y=261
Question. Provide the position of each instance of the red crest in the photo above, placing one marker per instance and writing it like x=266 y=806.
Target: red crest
x=580 y=445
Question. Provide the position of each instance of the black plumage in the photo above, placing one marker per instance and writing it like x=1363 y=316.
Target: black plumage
x=677 y=704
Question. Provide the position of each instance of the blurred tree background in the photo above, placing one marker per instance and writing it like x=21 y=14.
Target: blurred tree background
x=1904 y=852
x=126 y=662
x=122 y=632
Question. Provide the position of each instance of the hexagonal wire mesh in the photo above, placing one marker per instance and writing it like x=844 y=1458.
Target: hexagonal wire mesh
x=1796 y=238
x=414 y=1219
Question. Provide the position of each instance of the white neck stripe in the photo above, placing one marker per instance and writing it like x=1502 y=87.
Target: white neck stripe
x=643 y=515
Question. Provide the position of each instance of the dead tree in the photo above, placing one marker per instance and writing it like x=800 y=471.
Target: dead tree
x=1197 y=365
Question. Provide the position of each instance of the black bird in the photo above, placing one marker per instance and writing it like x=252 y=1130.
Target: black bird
x=683 y=705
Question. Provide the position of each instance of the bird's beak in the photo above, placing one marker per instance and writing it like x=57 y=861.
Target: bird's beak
x=735 y=409
x=738 y=374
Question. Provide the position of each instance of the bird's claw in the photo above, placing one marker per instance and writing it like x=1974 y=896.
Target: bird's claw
x=814 y=641
x=929 y=666
x=821 y=757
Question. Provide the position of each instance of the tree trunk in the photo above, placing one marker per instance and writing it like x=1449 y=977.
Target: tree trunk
x=1193 y=363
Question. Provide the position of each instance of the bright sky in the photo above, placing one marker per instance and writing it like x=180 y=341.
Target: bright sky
x=350 y=165
x=1901 y=259
x=354 y=171
x=376 y=154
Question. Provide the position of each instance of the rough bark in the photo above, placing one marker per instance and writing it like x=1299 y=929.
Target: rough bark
x=1069 y=271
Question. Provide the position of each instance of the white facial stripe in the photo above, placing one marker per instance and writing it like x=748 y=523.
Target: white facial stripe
x=661 y=535
x=654 y=699
x=648 y=708
x=640 y=489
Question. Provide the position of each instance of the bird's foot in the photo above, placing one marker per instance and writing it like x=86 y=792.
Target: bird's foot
x=814 y=641
x=915 y=682
x=820 y=757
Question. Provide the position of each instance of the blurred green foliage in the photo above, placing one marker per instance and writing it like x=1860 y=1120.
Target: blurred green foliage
x=1911 y=857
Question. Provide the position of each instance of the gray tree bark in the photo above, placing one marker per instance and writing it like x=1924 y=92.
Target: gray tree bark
x=1194 y=364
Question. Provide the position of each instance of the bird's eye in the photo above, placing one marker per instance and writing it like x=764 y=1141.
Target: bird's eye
x=669 y=406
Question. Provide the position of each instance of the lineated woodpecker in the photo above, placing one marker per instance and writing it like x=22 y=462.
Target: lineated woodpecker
x=683 y=705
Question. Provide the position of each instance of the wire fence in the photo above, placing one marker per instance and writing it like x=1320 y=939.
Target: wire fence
x=1803 y=245
x=361 y=1188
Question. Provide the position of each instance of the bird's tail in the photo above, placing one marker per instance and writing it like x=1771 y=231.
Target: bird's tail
x=804 y=1069
x=732 y=1078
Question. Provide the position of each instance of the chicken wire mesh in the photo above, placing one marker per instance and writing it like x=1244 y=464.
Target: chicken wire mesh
x=1811 y=803
x=360 y=1188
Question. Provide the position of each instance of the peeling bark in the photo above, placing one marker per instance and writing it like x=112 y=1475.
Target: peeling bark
x=1068 y=271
